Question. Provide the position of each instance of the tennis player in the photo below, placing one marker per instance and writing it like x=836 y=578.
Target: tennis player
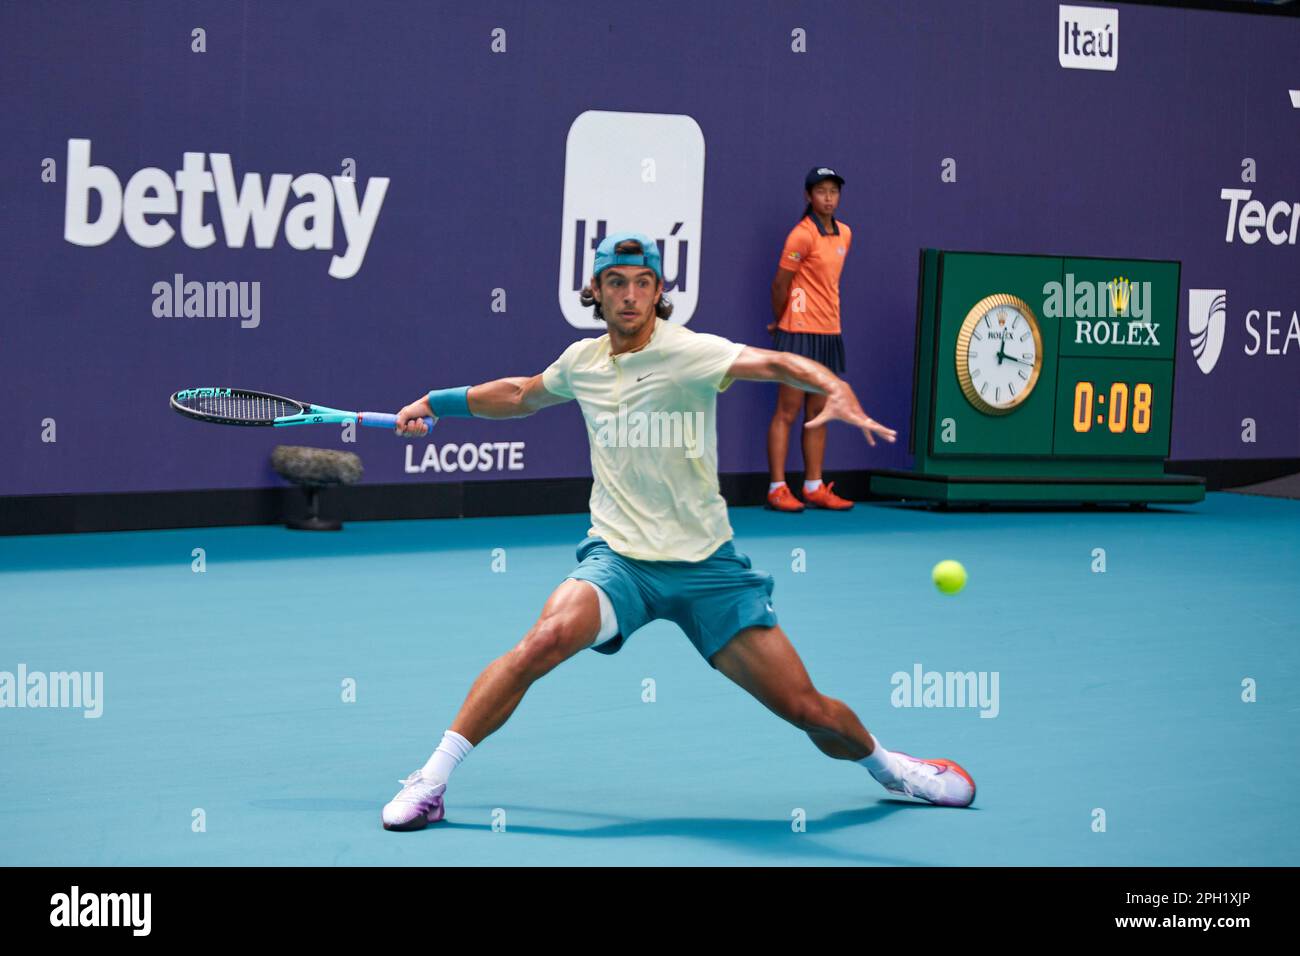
x=806 y=304
x=659 y=546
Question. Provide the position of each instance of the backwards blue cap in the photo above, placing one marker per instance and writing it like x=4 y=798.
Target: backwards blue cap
x=650 y=258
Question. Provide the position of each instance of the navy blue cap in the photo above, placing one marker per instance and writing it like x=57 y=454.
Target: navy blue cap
x=820 y=174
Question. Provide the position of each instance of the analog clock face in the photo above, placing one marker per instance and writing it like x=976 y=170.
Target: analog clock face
x=999 y=354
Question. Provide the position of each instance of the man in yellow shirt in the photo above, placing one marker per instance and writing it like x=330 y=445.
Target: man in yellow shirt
x=659 y=545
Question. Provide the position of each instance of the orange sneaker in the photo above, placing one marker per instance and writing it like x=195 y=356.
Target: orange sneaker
x=783 y=499
x=825 y=497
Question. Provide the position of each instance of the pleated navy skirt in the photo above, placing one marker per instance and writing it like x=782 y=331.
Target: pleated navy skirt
x=820 y=347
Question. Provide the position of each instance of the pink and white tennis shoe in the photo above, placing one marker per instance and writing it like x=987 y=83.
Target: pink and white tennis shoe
x=941 y=782
x=417 y=805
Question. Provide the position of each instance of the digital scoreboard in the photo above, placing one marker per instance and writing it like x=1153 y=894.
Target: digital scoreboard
x=1042 y=379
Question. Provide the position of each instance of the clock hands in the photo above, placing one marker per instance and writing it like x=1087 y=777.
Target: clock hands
x=1002 y=354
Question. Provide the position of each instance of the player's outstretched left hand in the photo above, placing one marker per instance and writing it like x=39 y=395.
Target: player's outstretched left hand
x=843 y=405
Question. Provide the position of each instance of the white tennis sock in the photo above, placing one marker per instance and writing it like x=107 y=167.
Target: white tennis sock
x=453 y=749
x=774 y=485
x=812 y=485
x=880 y=763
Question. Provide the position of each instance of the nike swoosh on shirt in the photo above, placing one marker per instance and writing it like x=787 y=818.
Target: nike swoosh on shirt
x=645 y=376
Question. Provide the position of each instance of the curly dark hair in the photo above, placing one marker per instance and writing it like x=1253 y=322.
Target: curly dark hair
x=663 y=308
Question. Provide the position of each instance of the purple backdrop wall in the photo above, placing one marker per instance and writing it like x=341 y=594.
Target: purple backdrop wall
x=1129 y=163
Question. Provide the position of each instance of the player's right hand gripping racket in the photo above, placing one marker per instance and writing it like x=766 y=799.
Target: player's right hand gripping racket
x=237 y=406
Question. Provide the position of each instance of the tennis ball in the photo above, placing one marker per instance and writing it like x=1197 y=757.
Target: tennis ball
x=949 y=576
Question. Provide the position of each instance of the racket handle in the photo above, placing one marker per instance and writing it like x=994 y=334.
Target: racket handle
x=384 y=420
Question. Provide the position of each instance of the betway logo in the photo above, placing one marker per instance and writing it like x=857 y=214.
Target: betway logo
x=1279 y=221
x=151 y=195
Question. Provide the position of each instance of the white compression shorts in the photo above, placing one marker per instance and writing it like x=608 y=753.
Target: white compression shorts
x=608 y=620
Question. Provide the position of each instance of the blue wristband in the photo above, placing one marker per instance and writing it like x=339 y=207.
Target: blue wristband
x=450 y=402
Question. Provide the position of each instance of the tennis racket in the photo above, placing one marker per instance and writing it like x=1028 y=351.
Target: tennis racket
x=237 y=406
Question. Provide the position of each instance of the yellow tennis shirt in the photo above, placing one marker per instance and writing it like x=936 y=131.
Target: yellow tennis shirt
x=652 y=425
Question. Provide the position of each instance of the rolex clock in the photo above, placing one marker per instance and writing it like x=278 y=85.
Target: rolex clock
x=1042 y=379
x=999 y=353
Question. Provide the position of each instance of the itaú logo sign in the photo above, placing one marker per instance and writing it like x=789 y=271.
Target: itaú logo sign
x=1089 y=38
x=632 y=172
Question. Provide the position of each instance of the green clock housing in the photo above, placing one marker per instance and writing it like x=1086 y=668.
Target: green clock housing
x=1042 y=379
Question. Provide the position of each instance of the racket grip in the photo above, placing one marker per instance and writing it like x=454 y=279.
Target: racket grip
x=384 y=420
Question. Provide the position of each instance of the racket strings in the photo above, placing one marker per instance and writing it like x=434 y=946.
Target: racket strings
x=243 y=407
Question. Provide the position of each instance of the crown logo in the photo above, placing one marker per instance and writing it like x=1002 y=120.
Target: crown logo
x=1119 y=292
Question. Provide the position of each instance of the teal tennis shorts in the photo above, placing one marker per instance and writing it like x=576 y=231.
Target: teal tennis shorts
x=711 y=600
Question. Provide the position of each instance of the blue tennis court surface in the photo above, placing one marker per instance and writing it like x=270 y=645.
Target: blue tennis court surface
x=223 y=692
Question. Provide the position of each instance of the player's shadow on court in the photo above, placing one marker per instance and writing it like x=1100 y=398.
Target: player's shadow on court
x=766 y=836
x=314 y=805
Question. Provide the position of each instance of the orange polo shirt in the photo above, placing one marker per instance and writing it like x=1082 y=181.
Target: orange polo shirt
x=816 y=258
